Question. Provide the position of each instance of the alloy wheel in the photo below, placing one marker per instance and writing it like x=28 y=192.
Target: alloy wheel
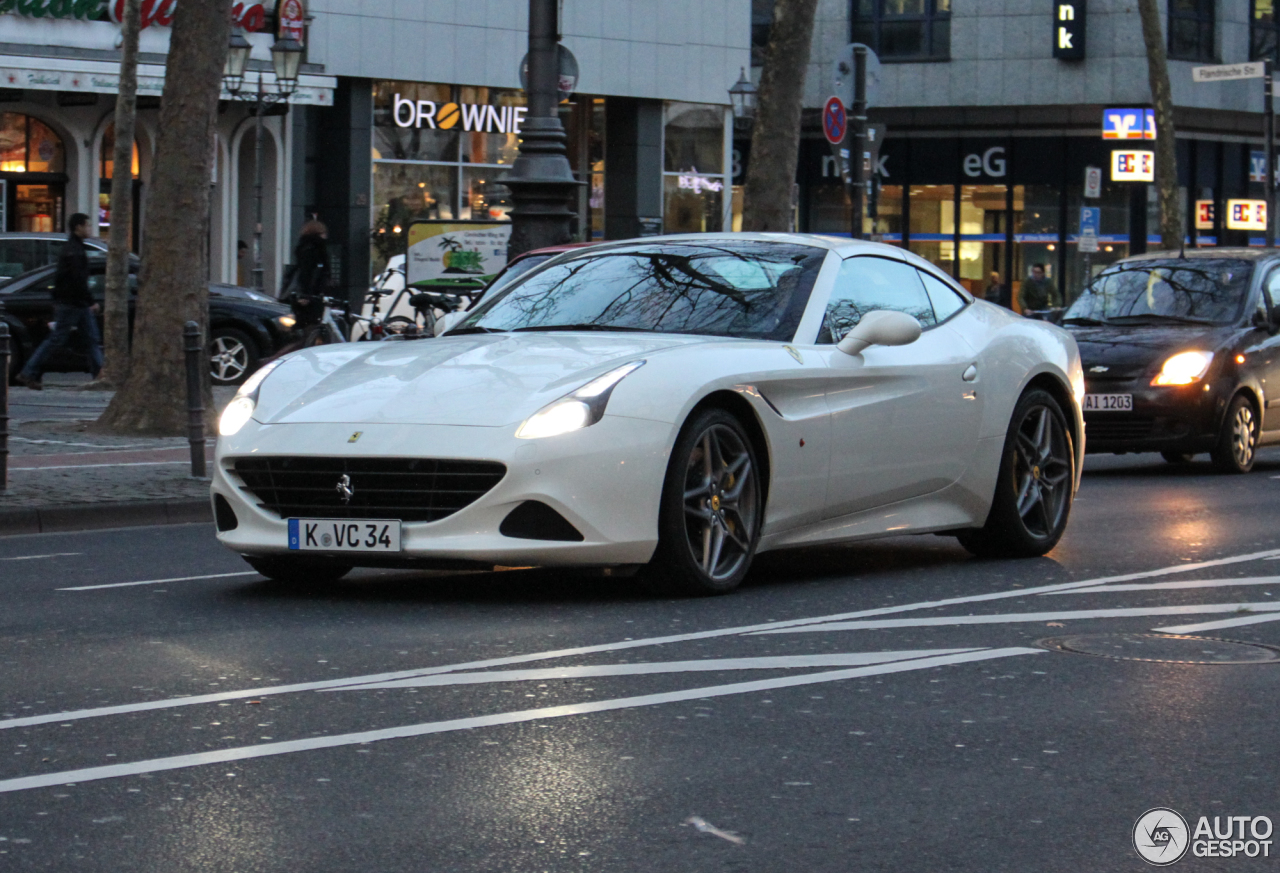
x=1243 y=436
x=1042 y=471
x=229 y=359
x=720 y=502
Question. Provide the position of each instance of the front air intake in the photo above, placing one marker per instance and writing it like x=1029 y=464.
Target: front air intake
x=533 y=520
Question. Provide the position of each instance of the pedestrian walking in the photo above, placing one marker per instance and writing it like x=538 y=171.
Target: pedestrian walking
x=994 y=292
x=242 y=249
x=305 y=285
x=73 y=307
x=1038 y=292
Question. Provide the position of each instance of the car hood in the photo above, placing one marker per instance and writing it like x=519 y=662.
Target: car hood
x=481 y=381
x=1130 y=350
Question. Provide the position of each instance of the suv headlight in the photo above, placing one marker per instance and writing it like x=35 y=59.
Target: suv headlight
x=241 y=407
x=575 y=411
x=1184 y=368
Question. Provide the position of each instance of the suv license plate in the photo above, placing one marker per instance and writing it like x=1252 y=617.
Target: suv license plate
x=1108 y=403
x=343 y=535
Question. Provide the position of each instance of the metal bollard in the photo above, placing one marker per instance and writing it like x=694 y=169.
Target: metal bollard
x=5 y=352
x=194 y=347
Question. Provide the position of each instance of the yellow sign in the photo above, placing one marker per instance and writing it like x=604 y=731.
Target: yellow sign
x=453 y=251
x=1204 y=215
x=1246 y=215
x=1133 y=166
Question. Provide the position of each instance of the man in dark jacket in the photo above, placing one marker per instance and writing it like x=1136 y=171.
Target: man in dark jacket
x=73 y=307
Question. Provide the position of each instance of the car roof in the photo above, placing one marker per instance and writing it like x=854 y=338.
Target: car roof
x=843 y=246
x=59 y=237
x=1250 y=253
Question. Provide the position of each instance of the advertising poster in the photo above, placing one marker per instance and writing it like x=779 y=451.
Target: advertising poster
x=456 y=254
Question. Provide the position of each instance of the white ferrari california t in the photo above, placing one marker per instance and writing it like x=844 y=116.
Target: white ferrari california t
x=681 y=402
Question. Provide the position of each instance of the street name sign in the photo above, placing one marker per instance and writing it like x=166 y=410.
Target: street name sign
x=1226 y=72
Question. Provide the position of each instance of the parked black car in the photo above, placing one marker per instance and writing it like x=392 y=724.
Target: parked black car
x=22 y=251
x=244 y=325
x=1180 y=353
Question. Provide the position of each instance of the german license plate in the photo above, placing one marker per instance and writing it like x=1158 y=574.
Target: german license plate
x=343 y=535
x=1108 y=402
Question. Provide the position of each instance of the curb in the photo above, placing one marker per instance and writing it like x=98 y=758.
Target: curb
x=101 y=516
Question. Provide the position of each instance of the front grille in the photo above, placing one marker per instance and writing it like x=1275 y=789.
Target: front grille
x=410 y=489
x=1100 y=429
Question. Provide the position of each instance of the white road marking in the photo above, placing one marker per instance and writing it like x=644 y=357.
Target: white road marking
x=36 y=557
x=785 y=662
x=1216 y=625
x=1015 y=617
x=92 y=466
x=603 y=647
x=243 y=753
x=1173 y=586
x=159 y=581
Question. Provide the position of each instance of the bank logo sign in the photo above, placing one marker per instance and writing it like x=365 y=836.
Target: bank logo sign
x=471 y=117
x=1128 y=124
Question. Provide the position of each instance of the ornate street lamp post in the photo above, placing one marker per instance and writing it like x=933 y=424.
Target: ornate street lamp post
x=286 y=58
x=541 y=180
x=742 y=96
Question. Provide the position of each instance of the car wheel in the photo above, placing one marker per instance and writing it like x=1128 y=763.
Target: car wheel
x=299 y=572
x=232 y=356
x=712 y=507
x=1238 y=441
x=1035 y=486
x=1177 y=457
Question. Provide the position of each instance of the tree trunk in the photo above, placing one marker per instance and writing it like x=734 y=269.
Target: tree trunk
x=775 y=140
x=115 y=310
x=1171 y=234
x=173 y=287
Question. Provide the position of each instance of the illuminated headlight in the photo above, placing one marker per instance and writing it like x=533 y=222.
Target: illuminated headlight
x=1077 y=384
x=1184 y=368
x=240 y=409
x=286 y=321
x=575 y=411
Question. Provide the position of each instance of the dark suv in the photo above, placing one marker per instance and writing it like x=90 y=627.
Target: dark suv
x=244 y=325
x=1181 y=353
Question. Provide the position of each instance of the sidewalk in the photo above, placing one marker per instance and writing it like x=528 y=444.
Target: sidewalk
x=61 y=477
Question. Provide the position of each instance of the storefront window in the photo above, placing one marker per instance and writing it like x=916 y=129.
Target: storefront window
x=27 y=145
x=484 y=198
x=693 y=204
x=1113 y=240
x=694 y=183
x=886 y=225
x=404 y=193
x=933 y=224
x=1035 y=233
x=983 y=214
x=426 y=128
x=496 y=140
x=105 y=173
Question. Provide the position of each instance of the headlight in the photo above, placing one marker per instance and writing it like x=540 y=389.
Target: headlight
x=1183 y=368
x=575 y=411
x=286 y=321
x=240 y=409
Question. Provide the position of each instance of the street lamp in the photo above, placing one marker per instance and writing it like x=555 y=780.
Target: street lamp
x=743 y=98
x=286 y=58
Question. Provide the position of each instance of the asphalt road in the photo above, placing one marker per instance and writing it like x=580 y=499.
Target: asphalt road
x=877 y=707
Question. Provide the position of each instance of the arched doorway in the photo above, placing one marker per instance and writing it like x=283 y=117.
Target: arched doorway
x=106 y=170
x=33 y=175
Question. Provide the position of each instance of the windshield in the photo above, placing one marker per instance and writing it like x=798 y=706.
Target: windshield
x=1203 y=290
x=515 y=270
x=739 y=288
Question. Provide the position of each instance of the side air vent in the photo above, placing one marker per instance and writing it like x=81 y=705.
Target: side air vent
x=223 y=515
x=533 y=520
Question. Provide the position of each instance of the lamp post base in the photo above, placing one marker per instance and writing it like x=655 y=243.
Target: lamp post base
x=541 y=184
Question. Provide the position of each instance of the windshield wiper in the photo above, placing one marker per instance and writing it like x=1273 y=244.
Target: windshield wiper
x=473 y=329
x=608 y=327
x=1156 y=316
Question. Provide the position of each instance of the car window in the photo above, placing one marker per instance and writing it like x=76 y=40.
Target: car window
x=1271 y=289
x=865 y=284
x=18 y=256
x=98 y=284
x=945 y=299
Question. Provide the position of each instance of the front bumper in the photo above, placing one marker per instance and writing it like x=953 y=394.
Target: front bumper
x=1182 y=418
x=605 y=479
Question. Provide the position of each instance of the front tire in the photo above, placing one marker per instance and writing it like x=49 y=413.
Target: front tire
x=299 y=572
x=1035 y=486
x=712 y=507
x=1238 y=442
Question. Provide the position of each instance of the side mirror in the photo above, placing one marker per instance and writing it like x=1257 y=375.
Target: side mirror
x=883 y=327
x=448 y=321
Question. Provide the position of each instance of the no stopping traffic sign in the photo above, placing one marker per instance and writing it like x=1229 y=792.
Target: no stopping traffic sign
x=834 y=120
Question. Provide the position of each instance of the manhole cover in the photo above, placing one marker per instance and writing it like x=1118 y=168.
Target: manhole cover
x=1163 y=648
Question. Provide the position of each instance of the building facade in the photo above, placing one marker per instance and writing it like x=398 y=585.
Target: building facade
x=992 y=125
x=406 y=110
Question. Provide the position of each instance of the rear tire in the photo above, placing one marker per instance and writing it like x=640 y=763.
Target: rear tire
x=712 y=508
x=232 y=356
x=299 y=573
x=1177 y=457
x=1035 y=486
x=1238 y=442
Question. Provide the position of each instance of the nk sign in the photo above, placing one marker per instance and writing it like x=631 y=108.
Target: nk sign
x=1246 y=215
x=1068 y=30
x=1133 y=166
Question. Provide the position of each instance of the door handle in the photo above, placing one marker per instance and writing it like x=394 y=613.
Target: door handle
x=971 y=374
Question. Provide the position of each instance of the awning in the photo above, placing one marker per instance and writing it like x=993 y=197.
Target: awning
x=101 y=77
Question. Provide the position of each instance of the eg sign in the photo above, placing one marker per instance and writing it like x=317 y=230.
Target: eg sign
x=1246 y=215
x=1133 y=166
